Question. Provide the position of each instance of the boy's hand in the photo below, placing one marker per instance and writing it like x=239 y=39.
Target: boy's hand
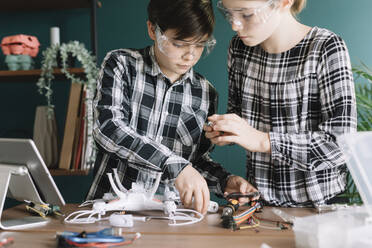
x=239 y=184
x=189 y=184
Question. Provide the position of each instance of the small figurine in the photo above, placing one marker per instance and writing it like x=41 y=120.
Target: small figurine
x=18 y=50
x=19 y=62
x=20 y=44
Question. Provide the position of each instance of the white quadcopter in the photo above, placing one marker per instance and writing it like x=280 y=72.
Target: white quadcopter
x=137 y=199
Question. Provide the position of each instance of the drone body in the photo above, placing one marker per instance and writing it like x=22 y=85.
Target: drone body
x=138 y=199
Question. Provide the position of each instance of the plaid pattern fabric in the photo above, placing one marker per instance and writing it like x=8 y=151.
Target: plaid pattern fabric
x=303 y=98
x=143 y=122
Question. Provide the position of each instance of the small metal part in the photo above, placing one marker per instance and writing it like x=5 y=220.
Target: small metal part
x=227 y=211
x=210 y=124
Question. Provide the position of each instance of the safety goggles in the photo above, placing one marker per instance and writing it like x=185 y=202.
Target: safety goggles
x=248 y=16
x=174 y=48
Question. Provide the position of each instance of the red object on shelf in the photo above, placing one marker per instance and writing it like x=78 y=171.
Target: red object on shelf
x=20 y=44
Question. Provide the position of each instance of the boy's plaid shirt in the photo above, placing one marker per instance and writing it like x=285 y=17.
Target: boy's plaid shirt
x=144 y=122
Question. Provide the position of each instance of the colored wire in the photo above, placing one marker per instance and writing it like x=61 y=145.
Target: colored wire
x=180 y=215
x=255 y=222
x=245 y=215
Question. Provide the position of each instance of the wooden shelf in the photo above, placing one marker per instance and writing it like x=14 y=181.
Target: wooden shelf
x=27 y=5
x=60 y=172
x=32 y=75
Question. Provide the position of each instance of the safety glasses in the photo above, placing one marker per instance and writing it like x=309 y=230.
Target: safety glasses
x=248 y=16
x=178 y=48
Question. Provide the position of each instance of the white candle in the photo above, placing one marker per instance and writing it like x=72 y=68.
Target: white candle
x=54 y=36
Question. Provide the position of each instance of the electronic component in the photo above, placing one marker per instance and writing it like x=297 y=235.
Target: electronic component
x=213 y=207
x=43 y=209
x=228 y=211
x=232 y=220
x=124 y=220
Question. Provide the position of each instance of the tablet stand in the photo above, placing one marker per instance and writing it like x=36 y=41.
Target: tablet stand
x=16 y=181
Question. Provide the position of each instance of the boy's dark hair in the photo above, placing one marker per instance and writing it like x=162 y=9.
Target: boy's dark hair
x=189 y=18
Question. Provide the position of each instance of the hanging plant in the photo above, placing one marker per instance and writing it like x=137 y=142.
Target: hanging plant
x=49 y=62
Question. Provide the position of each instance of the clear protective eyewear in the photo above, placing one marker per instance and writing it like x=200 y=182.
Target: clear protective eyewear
x=248 y=16
x=174 y=48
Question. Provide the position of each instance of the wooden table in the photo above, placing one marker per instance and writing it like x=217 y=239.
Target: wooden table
x=157 y=233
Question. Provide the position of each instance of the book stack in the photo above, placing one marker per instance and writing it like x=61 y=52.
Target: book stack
x=77 y=152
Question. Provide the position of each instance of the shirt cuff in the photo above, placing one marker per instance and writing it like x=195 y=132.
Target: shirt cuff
x=173 y=166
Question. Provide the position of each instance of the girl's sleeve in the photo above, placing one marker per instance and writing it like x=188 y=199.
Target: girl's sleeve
x=317 y=150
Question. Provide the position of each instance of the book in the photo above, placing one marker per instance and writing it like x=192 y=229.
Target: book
x=77 y=160
x=70 y=126
x=76 y=138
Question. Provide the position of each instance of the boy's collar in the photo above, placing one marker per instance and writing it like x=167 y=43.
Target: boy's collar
x=155 y=69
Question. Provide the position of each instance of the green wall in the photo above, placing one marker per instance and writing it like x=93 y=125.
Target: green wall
x=123 y=24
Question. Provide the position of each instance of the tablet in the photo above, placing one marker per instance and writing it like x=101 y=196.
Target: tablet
x=15 y=152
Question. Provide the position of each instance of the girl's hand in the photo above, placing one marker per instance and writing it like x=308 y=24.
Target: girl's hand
x=210 y=134
x=230 y=128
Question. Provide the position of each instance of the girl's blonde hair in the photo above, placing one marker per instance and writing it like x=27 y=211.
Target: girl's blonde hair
x=298 y=6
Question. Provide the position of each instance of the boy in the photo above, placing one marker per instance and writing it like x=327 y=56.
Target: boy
x=150 y=108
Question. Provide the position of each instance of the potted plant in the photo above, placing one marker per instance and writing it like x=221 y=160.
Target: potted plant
x=363 y=93
x=87 y=60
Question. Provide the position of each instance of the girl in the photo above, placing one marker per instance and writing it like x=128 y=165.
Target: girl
x=290 y=94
